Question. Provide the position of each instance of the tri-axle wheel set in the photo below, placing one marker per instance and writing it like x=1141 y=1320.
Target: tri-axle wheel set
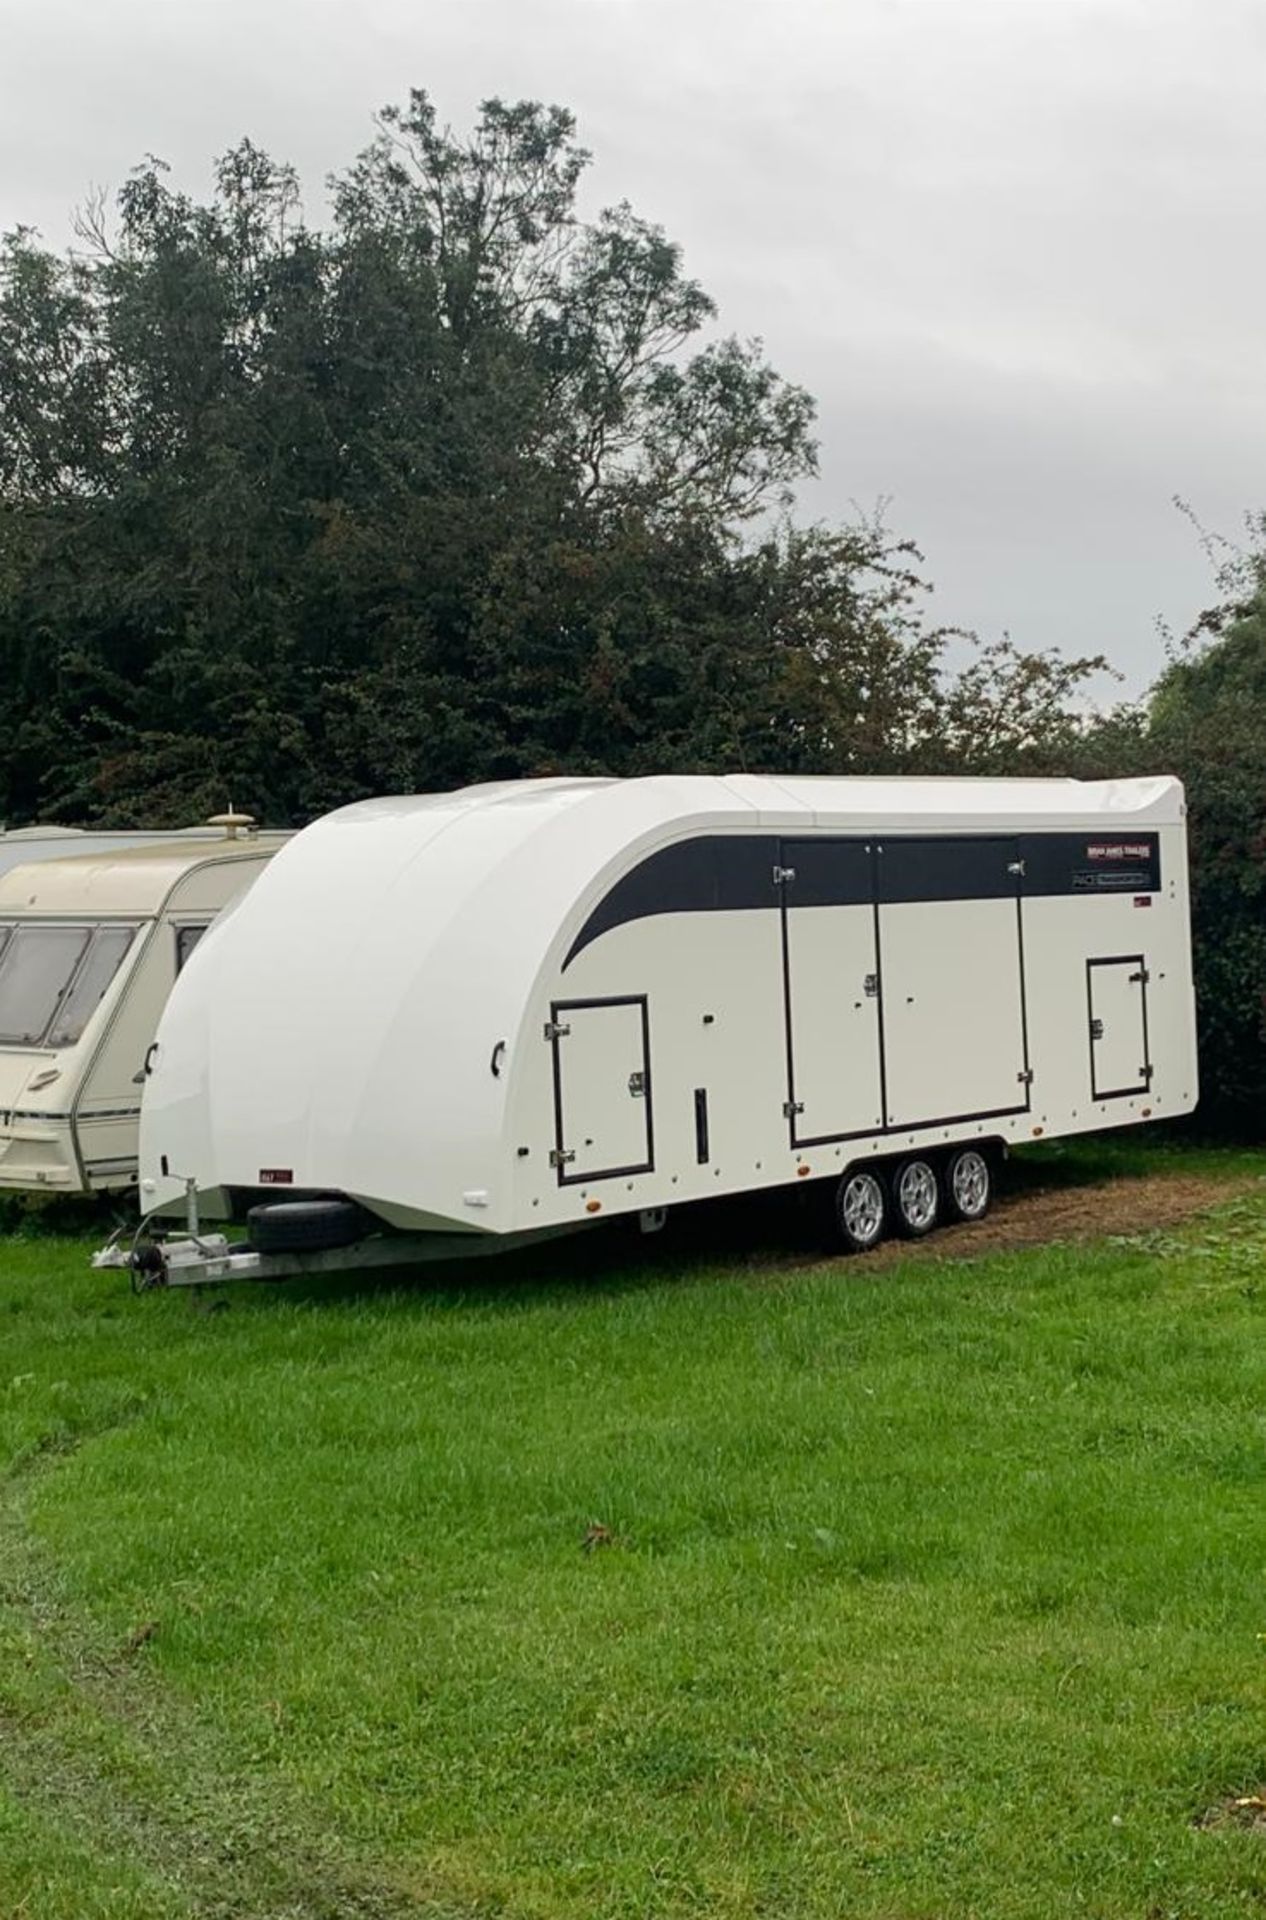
x=910 y=1196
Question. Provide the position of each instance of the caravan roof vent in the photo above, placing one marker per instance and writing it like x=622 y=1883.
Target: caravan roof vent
x=232 y=822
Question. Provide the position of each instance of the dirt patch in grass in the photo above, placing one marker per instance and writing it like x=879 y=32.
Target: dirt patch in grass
x=1105 y=1208
x=1240 y=1810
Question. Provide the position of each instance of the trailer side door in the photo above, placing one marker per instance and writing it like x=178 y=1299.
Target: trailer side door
x=831 y=981
x=602 y=1088
x=952 y=971
x=1120 y=1057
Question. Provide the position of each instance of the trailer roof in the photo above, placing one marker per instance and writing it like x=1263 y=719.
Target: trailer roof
x=840 y=802
x=129 y=880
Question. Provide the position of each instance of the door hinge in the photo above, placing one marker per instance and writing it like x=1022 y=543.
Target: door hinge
x=1145 y=1075
x=1141 y=978
x=637 y=1085
x=1096 y=1029
x=790 y=1108
x=870 y=986
x=782 y=875
x=556 y=1029
x=1025 y=1076
x=561 y=1156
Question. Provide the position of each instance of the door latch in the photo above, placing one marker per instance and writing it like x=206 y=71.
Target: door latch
x=790 y=1108
x=561 y=1156
x=870 y=986
x=1096 y=1029
x=556 y=1029
x=1141 y=978
x=637 y=1085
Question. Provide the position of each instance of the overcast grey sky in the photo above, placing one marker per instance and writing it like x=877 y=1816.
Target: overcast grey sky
x=1012 y=246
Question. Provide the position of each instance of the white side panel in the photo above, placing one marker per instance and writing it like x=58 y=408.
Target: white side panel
x=1060 y=936
x=834 y=1020
x=715 y=988
x=603 y=1090
x=953 y=1009
x=1118 y=1027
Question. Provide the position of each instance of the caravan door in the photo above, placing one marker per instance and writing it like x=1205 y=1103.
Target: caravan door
x=602 y=1088
x=952 y=975
x=832 y=989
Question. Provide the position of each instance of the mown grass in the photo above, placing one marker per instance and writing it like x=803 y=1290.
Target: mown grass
x=932 y=1589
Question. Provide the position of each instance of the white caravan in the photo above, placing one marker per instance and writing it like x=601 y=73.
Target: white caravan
x=89 y=948
x=526 y=1006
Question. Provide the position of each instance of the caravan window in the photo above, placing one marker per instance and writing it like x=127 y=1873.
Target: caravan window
x=187 y=939
x=103 y=961
x=37 y=968
x=53 y=977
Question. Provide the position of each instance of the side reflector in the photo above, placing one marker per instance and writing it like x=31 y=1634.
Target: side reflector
x=593 y=1206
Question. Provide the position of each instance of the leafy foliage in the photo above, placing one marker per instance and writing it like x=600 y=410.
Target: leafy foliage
x=1206 y=721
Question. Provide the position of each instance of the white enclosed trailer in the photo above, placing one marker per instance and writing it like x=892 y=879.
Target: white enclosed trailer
x=90 y=946
x=520 y=1007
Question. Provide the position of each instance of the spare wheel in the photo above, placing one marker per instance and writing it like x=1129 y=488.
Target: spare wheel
x=299 y=1226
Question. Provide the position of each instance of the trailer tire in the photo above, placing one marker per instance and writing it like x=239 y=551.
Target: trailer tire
x=916 y=1197
x=967 y=1186
x=861 y=1210
x=304 y=1226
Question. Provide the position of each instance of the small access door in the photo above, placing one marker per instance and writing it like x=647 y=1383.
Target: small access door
x=832 y=990
x=602 y=1088
x=1120 y=1059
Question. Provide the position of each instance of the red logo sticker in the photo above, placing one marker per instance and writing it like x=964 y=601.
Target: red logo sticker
x=276 y=1177
x=1117 y=850
x=1142 y=899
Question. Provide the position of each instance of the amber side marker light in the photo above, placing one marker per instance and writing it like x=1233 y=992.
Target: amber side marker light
x=801 y=1171
x=593 y=1206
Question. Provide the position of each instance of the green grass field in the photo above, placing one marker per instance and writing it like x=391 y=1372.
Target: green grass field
x=933 y=1588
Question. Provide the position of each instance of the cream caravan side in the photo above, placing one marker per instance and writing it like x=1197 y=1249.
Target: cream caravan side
x=90 y=947
x=513 y=1008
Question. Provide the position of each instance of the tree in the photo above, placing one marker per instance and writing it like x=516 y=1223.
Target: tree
x=1206 y=722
